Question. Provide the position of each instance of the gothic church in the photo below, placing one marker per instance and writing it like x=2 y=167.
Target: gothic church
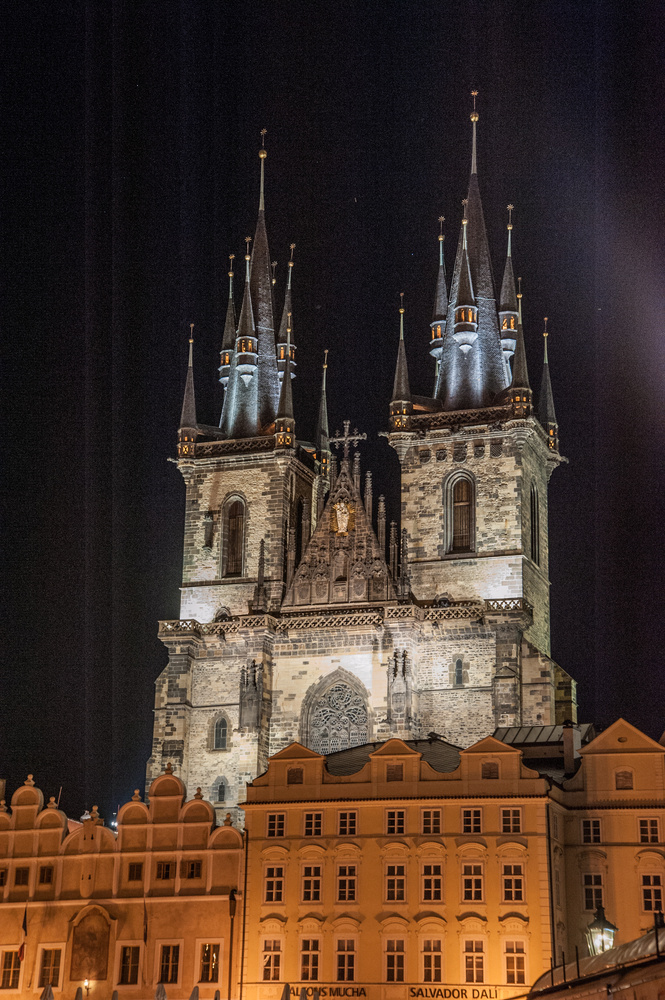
x=301 y=617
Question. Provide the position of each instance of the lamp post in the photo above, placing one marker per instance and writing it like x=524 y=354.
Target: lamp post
x=86 y=987
x=600 y=933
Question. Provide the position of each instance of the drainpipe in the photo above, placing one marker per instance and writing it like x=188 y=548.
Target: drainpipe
x=244 y=917
x=551 y=891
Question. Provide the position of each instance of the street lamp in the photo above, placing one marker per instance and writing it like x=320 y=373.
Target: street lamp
x=600 y=933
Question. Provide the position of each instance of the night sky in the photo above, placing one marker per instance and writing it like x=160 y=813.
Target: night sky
x=130 y=172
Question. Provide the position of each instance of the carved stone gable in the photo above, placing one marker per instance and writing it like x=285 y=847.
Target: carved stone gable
x=343 y=563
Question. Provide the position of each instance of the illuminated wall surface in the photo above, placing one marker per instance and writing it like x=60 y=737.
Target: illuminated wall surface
x=390 y=871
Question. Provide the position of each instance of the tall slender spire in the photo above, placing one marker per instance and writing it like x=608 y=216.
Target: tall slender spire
x=440 y=310
x=546 y=413
x=287 y=318
x=322 y=434
x=520 y=373
x=285 y=431
x=508 y=301
x=240 y=412
x=465 y=330
x=229 y=337
x=400 y=404
x=188 y=429
x=261 y=292
x=474 y=119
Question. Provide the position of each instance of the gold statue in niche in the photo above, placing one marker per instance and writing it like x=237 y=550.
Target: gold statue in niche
x=342 y=518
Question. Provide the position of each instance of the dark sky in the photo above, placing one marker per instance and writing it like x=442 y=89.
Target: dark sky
x=130 y=172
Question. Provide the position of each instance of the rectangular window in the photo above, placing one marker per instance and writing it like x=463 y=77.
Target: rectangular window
x=46 y=875
x=432 y=882
x=164 y=870
x=471 y=821
x=272 y=960
x=432 y=821
x=590 y=831
x=129 y=965
x=313 y=824
x=295 y=776
x=395 y=821
x=511 y=821
x=649 y=833
x=309 y=960
x=432 y=961
x=135 y=872
x=474 y=962
x=192 y=869
x=395 y=883
x=394 y=772
x=652 y=893
x=168 y=964
x=11 y=969
x=515 y=968
x=209 y=963
x=3 y=876
x=472 y=885
x=346 y=883
x=21 y=876
x=348 y=822
x=346 y=960
x=275 y=824
x=395 y=960
x=513 y=884
x=593 y=891
x=274 y=884
x=49 y=970
x=311 y=884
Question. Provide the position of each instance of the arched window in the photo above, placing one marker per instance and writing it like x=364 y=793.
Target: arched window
x=623 y=779
x=459 y=673
x=218 y=791
x=535 y=525
x=221 y=734
x=490 y=769
x=235 y=539
x=461 y=511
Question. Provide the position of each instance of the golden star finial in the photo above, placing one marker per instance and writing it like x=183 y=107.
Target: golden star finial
x=545 y=333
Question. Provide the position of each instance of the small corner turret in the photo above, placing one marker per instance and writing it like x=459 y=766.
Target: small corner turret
x=546 y=413
x=440 y=310
x=508 y=301
x=187 y=431
x=520 y=390
x=401 y=406
x=229 y=337
x=286 y=328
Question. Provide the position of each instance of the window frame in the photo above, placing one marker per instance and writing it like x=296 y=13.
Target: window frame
x=12 y=950
x=316 y=823
x=435 y=820
x=515 y=955
x=511 y=813
x=534 y=524
x=270 y=869
x=220 y=718
x=45 y=946
x=396 y=818
x=591 y=830
x=213 y=942
x=474 y=875
x=395 y=970
x=513 y=877
x=279 y=825
x=475 y=813
x=226 y=553
x=274 y=939
x=395 y=881
x=650 y=821
x=353 y=952
x=160 y=867
x=652 y=889
x=434 y=952
x=594 y=887
x=347 y=877
x=311 y=872
x=159 y=948
x=318 y=951
x=450 y=504
x=464 y=970
x=25 y=875
x=351 y=819
x=435 y=877
x=120 y=946
x=133 y=865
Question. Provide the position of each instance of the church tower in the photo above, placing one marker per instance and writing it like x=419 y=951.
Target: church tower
x=300 y=620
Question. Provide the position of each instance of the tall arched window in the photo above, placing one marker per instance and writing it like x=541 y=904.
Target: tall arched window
x=338 y=719
x=221 y=736
x=535 y=526
x=235 y=539
x=459 y=673
x=460 y=513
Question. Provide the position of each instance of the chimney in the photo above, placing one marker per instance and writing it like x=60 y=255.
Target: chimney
x=572 y=742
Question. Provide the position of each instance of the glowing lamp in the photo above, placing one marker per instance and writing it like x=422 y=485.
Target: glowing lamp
x=600 y=933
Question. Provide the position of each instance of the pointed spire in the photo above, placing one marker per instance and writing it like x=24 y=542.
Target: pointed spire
x=440 y=310
x=239 y=413
x=400 y=404
x=229 y=337
x=187 y=429
x=261 y=292
x=520 y=372
x=546 y=413
x=474 y=119
x=508 y=299
x=285 y=424
x=287 y=321
x=322 y=434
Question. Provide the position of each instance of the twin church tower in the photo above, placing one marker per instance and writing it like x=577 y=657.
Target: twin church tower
x=301 y=617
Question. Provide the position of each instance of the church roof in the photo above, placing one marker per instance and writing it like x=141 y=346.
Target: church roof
x=440 y=755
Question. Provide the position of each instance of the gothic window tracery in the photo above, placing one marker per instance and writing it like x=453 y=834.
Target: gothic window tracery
x=221 y=734
x=338 y=720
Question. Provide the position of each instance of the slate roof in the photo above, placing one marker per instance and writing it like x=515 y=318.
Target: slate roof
x=439 y=754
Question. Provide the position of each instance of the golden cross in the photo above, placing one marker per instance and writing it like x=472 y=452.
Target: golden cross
x=347 y=439
x=474 y=94
x=263 y=136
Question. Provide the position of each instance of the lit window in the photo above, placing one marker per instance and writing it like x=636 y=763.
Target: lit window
x=11 y=969
x=395 y=883
x=311 y=884
x=649 y=832
x=272 y=960
x=313 y=823
x=346 y=960
x=221 y=734
x=209 y=963
x=276 y=824
x=511 y=820
x=347 y=824
x=652 y=893
x=49 y=971
x=471 y=821
x=474 y=961
x=515 y=959
x=395 y=821
x=472 y=883
x=274 y=884
x=129 y=965
x=432 y=882
x=346 y=883
x=590 y=831
x=431 y=961
x=513 y=884
x=432 y=821
x=395 y=961
x=593 y=890
x=309 y=959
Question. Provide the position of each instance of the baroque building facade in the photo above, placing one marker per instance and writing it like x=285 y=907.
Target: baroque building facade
x=304 y=616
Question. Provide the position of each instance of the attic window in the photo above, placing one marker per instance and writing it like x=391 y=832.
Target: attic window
x=395 y=772
x=294 y=776
x=623 y=779
x=490 y=769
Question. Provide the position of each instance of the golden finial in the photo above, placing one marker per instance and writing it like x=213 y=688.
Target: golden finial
x=273 y=265
x=191 y=333
x=474 y=113
x=231 y=259
x=441 y=222
x=545 y=333
x=401 y=302
x=510 y=216
x=292 y=247
x=263 y=152
x=288 y=323
x=465 y=202
x=248 y=240
x=325 y=358
x=519 y=288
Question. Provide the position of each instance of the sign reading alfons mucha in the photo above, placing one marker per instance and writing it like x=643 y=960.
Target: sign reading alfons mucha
x=342 y=517
x=406 y=991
